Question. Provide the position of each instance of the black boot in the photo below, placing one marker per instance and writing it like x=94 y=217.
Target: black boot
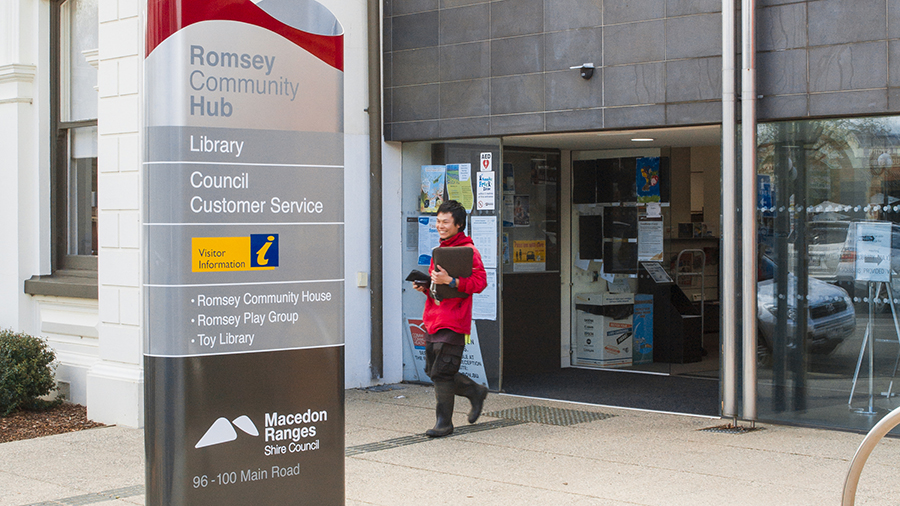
x=444 y=394
x=473 y=391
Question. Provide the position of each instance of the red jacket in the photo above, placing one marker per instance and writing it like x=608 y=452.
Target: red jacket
x=456 y=314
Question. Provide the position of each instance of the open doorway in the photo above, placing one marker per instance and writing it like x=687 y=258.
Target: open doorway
x=630 y=278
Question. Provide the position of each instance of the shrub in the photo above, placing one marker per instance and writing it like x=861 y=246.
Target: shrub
x=26 y=372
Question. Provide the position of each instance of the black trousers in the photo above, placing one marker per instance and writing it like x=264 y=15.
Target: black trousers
x=442 y=360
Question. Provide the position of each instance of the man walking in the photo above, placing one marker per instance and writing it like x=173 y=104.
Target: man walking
x=449 y=321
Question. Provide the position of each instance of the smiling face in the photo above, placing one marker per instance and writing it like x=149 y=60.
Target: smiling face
x=446 y=226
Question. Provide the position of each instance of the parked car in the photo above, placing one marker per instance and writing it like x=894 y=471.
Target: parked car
x=831 y=317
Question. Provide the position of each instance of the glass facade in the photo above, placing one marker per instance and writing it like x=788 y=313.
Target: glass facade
x=829 y=257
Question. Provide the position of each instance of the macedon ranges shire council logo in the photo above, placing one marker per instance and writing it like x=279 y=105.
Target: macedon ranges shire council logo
x=222 y=431
x=256 y=252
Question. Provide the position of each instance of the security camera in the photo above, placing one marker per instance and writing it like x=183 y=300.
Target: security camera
x=587 y=70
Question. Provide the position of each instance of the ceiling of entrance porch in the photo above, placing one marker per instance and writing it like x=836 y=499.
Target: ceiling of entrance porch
x=709 y=135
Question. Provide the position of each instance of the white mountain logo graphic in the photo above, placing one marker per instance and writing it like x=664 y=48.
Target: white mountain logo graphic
x=222 y=431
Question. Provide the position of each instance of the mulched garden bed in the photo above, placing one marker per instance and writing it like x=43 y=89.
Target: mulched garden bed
x=31 y=424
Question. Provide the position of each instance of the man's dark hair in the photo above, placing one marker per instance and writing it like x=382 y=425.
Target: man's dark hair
x=457 y=210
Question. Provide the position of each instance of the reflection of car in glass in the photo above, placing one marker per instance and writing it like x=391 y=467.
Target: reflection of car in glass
x=831 y=316
x=846 y=270
x=826 y=240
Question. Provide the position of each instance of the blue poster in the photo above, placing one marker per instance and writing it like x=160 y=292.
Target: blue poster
x=764 y=192
x=642 y=326
x=648 y=179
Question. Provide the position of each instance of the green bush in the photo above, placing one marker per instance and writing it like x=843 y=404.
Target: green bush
x=26 y=372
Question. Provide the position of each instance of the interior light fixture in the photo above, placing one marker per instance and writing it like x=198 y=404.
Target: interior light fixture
x=642 y=139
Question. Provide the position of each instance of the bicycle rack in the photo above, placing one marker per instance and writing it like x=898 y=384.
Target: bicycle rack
x=868 y=444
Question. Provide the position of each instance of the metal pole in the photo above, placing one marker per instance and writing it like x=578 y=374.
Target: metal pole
x=729 y=225
x=748 y=204
x=376 y=286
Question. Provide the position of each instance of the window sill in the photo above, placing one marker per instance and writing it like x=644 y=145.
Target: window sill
x=76 y=284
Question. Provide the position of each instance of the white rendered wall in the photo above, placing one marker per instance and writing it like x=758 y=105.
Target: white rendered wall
x=357 y=311
x=69 y=325
x=115 y=382
x=22 y=161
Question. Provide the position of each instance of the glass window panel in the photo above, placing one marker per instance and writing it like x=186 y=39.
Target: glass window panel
x=829 y=262
x=79 y=23
x=82 y=197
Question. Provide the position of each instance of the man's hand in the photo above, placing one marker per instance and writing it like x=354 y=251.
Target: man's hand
x=421 y=287
x=439 y=276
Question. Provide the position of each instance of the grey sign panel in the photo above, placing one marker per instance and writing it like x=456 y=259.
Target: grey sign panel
x=264 y=428
x=246 y=318
x=213 y=193
x=245 y=145
x=243 y=183
x=187 y=254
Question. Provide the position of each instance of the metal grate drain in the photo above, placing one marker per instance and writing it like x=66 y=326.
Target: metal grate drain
x=731 y=429
x=422 y=438
x=549 y=416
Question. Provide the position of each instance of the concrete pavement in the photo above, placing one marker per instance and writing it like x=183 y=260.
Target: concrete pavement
x=532 y=452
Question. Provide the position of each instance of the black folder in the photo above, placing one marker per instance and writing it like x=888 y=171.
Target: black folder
x=457 y=261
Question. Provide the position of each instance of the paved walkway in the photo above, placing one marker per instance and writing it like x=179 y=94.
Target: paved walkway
x=531 y=452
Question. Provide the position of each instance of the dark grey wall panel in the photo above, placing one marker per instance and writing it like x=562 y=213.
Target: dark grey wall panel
x=516 y=17
x=694 y=79
x=693 y=113
x=694 y=36
x=894 y=59
x=465 y=61
x=894 y=99
x=573 y=47
x=449 y=4
x=634 y=43
x=582 y=119
x=840 y=21
x=781 y=27
x=411 y=103
x=848 y=102
x=466 y=127
x=635 y=84
x=465 y=24
x=400 y=7
x=848 y=67
x=415 y=66
x=460 y=99
x=517 y=55
x=569 y=14
x=414 y=31
x=642 y=116
x=416 y=130
x=517 y=124
x=781 y=72
x=387 y=70
x=782 y=107
x=893 y=19
x=617 y=11
x=684 y=7
x=468 y=68
x=567 y=90
x=516 y=94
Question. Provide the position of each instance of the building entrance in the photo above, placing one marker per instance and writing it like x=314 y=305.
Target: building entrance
x=611 y=266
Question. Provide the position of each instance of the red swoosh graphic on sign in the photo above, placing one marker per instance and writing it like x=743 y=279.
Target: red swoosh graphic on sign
x=165 y=17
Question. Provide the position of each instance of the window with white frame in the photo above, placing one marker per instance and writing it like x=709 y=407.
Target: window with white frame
x=75 y=159
x=74 y=43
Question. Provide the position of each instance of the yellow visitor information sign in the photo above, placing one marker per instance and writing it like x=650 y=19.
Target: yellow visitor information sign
x=222 y=254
